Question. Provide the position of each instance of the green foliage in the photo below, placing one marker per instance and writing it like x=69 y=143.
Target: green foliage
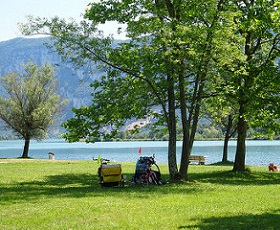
x=178 y=54
x=30 y=103
x=255 y=81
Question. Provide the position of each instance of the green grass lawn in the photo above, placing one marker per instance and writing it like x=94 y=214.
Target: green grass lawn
x=40 y=194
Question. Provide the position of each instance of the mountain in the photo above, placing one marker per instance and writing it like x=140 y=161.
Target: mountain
x=73 y=82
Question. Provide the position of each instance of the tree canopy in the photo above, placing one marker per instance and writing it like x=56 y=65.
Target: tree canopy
x=30 y=103
x=178 y=53
x=256 y=78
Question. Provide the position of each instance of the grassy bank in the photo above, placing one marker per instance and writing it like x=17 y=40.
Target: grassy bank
x=38 y=194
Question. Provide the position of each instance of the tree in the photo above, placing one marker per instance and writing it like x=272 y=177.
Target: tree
x=252 y=85
x=206 y=27
x=130 y=87
x=221 y=111
x=167 y=62
x=30 y=103
x=257 y=78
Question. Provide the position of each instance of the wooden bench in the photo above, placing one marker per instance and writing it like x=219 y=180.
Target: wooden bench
x=199 y=159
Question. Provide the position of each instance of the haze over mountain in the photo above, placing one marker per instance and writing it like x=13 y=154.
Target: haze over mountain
x=73 y=83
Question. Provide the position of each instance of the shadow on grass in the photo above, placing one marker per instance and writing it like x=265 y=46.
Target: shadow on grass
x=236 y=178
x=74 y=185
x=83 y=185
x=70 y=185
x=270 y=220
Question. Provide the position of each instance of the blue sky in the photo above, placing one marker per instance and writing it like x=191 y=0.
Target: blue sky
x=14 y=11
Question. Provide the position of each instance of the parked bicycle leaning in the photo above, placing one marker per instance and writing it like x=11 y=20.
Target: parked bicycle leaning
x=147 y=171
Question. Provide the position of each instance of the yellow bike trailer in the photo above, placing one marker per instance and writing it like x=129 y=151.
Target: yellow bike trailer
x=110 y=175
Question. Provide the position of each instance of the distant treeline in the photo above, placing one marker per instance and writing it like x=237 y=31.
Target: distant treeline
x=205 y=131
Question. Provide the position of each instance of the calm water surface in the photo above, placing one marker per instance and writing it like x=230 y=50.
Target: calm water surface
x=258 y=152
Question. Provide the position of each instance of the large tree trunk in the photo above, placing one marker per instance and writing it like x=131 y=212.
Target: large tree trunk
x=239 y=163
x=26 y=148
x=172 y=161
x=185 y=126
x=186 y=151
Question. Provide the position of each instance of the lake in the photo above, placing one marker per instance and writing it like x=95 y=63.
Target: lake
x=258 y=152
